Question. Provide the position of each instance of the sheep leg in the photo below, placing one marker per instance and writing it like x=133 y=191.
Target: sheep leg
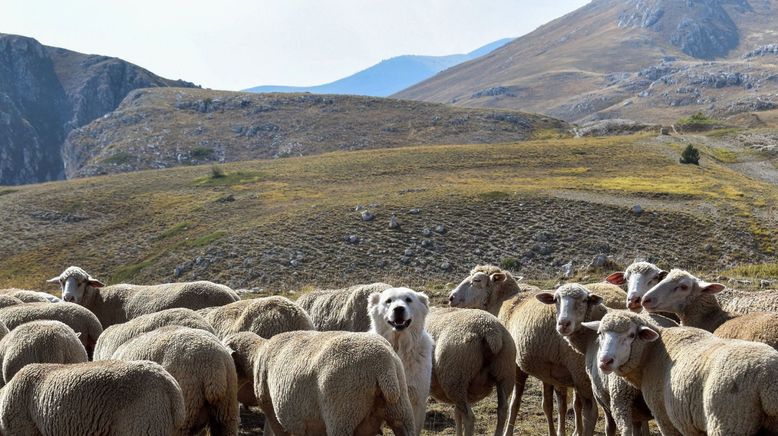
x=502 y=405
x=610 y=423
x=578 y=413
x=518 y=392
x=590 y=413
x=561 y=403
x=458 y=421
x=548 y=407
x=465 y=413
x=644 y=430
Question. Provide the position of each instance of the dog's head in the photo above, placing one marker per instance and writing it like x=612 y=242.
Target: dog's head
x=398 y=308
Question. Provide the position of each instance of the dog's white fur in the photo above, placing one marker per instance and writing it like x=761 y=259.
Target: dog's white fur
x=412 y=343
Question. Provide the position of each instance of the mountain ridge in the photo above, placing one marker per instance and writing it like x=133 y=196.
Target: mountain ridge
x=388 y=76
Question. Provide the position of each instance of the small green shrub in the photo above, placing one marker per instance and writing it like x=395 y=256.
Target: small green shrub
x=217 y=172
x=690 y=155
x=201 y=152
x=510 y=263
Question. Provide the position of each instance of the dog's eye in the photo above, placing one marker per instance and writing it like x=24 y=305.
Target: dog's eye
x=388 y=301
x=407 y=299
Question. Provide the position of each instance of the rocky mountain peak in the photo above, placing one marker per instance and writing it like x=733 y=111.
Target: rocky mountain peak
x=702 y=29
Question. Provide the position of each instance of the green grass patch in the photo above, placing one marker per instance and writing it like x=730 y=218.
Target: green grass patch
x=124 y=273
x=755 y=271
x=698 y=122
x=720 y=133
x=205 y=240
x=173 y=231
x=722 y=155
x=119 y=158
x=510 y=263
x=494 y=195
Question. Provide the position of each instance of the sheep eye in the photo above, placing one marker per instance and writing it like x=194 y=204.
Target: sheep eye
x=388 y=301
x=476 y=280
x=632 y=336
x=407 y=299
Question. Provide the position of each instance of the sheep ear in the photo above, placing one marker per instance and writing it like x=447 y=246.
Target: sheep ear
x=95 y=283
x=662 y=274
x=498 y=277
x=53 y=280
x=711 y=288
x=592 y=325
x=647 y=334
x=545 y=297
x=616 y=278
x=78 y=334
x=373 y=299
x=594 y=299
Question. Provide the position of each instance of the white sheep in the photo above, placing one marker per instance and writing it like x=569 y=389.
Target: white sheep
x=39 y=342
x=623 y=403
x=121 y=303
x=78 y=318
x=693 y=382
x=7 y=300
x=337 y=383
x=639 y=278
x=540 y=351
x=203 y=368
x=266 y=317
x=474 y=353
x=28 y=296
x=340 y=309
x=695 y=303
x=742 y=302
x=116 y=335
x=109 y=397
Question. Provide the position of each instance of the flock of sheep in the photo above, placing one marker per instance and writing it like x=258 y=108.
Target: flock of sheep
x=180 y=358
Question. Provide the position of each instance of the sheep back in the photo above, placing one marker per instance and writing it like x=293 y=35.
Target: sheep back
x=133 y=398
x=266 y=317
x=28 y=296
x=297 y=374
x=8 y=300
x=76 y=317
x=473 y=352
x=116 y=335
x=203 y=368
x=340 y=309
x=39 y=342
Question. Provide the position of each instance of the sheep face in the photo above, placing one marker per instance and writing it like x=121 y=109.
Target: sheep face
x=639 y=277
x=573 y=303
x=616 y=341
x=73 y=283
x=397 y=308
x=676 y=291
x=481 y=290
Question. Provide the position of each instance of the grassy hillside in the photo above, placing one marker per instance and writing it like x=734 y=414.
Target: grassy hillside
x=288 y=223
x=161 y=128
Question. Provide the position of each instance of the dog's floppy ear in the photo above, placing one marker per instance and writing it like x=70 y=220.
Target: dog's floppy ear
x=373 y=300
x=424 y=299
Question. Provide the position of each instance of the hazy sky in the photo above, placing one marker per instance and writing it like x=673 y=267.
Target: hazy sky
x=234 y=44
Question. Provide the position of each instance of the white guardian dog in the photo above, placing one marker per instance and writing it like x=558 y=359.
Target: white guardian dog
x=399 y=315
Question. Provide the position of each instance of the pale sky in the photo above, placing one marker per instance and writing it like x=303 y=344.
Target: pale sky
x=237 y=44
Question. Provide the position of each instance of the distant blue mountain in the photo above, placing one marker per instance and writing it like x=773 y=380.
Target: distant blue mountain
x=389 y=76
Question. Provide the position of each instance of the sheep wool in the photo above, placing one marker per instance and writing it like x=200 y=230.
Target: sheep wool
x=203 y=368
x=81 y=320
x=116 y=335
x=134 y=398
x=473 y=354
x=296 y=375
x=39 y=342
x=340 y=309
x=675 y=369
x=266 y=317
x=123 y=302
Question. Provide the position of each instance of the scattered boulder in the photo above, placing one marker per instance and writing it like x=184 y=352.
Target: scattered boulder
x=637 y=210
x=393 y=224
x=567 y=270
x=367 y=216
x=414 y=211
x=353 y=239
x=426 y=232
x=440 y=228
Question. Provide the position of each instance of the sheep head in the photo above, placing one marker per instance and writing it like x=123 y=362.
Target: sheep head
x=622 y=339
x=574 y=305
x=487 y=287
x=639 y=277
x=676 y=291
x=244 y=347
x=74 y=282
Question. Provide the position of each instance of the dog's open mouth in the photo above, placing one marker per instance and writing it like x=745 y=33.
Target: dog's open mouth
x=399 y=325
